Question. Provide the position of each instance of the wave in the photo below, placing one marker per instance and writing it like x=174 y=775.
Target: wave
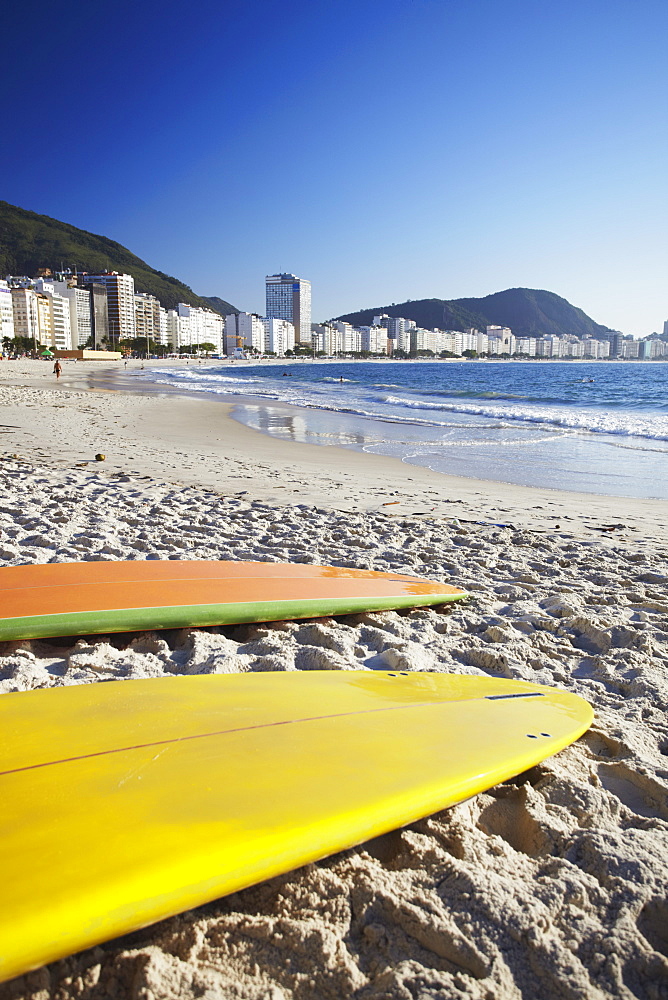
x=425 y=447
x=636 y=447
x=593 y=421
x=222 y=392
x=398 y=409
x=197 y=376
x=449 y=392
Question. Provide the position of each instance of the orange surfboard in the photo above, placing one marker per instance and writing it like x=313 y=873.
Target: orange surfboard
x=55 y=599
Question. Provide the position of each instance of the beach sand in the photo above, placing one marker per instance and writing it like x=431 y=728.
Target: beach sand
x=551 y=885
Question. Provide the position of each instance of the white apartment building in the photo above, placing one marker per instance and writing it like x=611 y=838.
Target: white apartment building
x=171 y=328
x=525 y=345
x=495 y=347
x=454 y=342
x=213 y=329
x=26 y=318
x=330 y=338
x=651 y=348
x=398 y=331
x=44 y=320
x=374 y=339
x=326 y=339
x=500 y=340
x=279 y=336
x=54 y=328
x=350 y=338
x=189 y=325
x=6 y=313
x=336 y=338
x=244 y=330
x=476 y=341
x=401 y=329
x=435 y=341
x=545 y=348
x=120 y=303
x=595 y=348
x=289 y=297
x=60 y=322
x=472 y=340
x=163 y=328
x=81 y=325
x=630 y=349
x=147 y=317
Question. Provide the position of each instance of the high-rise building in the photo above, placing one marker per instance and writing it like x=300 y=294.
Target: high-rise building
x=81 y=326
x=279 y=336
x=190 y=326
x=54 y=320
x=244 y=330
x=374 y=339
x=6 y=313
x=44 y=320
x=120 y=303
x=326 y=338
x=289 y=297
x=164 y=337
x=26 y=318
x=99 y=314
x=398 y=331
x=351 y=338
x=147 y=317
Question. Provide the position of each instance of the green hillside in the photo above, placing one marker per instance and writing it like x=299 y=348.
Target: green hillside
x=527 y=311
x=29 y=241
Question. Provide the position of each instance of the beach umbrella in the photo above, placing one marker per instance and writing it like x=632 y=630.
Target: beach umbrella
x=47 y=353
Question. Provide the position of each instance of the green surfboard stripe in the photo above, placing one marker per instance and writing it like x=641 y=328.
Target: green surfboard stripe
x=184 y=615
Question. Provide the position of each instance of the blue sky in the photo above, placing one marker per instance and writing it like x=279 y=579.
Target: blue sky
x=386 y=151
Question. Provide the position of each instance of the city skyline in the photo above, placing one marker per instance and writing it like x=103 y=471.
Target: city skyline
x=441 y=150
x=69 y=312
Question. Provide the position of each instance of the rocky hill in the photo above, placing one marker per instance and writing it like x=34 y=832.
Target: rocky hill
x=527 y=311
x=29 y=241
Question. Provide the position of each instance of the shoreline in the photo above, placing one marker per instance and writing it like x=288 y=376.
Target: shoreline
x=575 y=456
x=175 y=438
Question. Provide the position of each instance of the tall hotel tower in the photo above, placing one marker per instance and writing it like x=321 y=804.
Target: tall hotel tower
x=289 y=297
x=120 y=302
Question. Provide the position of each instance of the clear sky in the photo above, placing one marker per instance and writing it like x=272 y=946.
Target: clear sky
x=385 y=151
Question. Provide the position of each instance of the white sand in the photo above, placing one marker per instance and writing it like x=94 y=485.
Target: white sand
x=552 y=885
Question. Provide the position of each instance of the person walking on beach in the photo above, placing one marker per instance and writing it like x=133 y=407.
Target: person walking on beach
x=57 y=369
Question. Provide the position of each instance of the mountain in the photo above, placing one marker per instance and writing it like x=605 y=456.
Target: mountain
x=219 y=305
x=529 y=312
x=29 y=241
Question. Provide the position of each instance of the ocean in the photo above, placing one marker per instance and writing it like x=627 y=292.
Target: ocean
x=590 y=427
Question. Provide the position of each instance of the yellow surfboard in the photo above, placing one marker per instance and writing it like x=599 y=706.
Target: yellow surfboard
x=95 y=597
x=129 y=801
